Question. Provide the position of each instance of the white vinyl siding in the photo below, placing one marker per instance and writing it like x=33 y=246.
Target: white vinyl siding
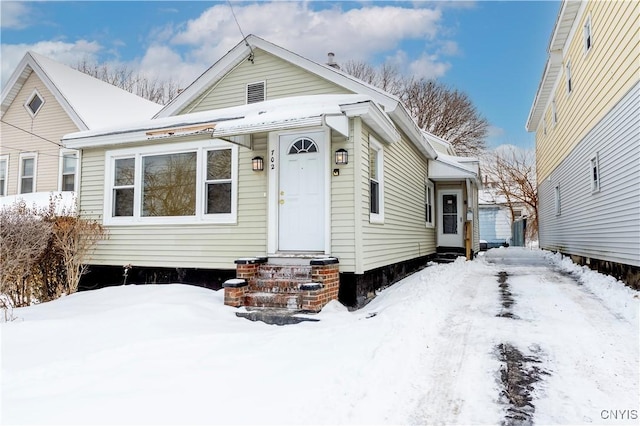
x=185 y=245
x=282 y=79
x=603 y=225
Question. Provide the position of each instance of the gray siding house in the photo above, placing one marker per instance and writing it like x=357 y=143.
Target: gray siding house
x=297 y=179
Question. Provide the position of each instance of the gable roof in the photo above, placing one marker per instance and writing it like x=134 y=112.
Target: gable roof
x=243 y=50
x=89 y=102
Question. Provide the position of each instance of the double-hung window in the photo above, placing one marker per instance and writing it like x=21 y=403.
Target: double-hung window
x=68 y=170
x=376 y=181
x=177 y=183
x=4 y=173
x=554 y=113
x=428 y=203
x=27 y=181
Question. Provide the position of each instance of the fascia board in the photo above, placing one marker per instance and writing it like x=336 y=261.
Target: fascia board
x=10 y=90
x=409 y=126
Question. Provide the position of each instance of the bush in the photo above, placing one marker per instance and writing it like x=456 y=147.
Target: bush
x=43 y=253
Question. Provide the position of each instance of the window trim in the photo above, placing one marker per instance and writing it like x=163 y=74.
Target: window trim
x=557 y=200
x=30 y=99
x=76 y=179
x=431 y=186
x=587 y=35
x=594 y=162
x=568 y=80
x=24 y=156
x=264 y=91
x=377 y=147
x=200 y=148
x=5 y=185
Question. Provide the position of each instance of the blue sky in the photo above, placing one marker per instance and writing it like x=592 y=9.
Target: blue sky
x=493 y=51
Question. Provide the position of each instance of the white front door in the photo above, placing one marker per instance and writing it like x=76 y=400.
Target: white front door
x=450 y=222
x=301 y=193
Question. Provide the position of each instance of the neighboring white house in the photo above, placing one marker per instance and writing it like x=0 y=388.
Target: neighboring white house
x=42 y=101
x=270 y=162
x=585 y=118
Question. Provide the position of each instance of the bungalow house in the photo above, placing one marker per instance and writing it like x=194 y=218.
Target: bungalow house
x=298 y=181
x=585 y=118
x=42 y=101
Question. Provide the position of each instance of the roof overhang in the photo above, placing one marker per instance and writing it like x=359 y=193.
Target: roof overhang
x=565 y=21
x=447 y=169
x=233 y=123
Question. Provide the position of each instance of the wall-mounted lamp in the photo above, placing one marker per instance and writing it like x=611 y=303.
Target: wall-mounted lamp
x=342 y=157
x=257 y=164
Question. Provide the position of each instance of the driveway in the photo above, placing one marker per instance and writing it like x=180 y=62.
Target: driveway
x=566 y=355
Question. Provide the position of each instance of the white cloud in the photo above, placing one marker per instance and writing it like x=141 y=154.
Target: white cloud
x=15 y=15
x=67 y=53
x=182 y=51
x=357 y=34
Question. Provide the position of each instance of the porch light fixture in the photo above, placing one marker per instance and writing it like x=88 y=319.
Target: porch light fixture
x=342 y=157
x=257 y=164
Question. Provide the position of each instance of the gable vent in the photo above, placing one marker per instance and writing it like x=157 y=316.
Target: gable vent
x=255 y=92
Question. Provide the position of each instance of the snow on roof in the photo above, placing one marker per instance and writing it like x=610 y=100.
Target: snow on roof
x=227 y=121
x=449 y=167
x=439 y=144
x=97 y=104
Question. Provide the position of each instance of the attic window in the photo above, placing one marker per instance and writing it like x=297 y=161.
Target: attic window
x=34 y=103
x=255 y=92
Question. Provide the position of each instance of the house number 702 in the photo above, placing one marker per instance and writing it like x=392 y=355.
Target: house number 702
x=272 y=160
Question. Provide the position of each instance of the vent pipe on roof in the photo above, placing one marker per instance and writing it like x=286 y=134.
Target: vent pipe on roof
x=331 y=62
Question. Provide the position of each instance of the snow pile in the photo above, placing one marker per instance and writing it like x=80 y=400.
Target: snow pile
x=619 y=298
x=65 y=201
x=422 y=352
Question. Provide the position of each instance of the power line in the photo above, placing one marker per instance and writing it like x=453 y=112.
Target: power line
x=20 y=151
x=33 y=134
x=251 y=55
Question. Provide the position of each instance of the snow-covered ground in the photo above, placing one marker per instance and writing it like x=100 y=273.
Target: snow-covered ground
x=425 y=351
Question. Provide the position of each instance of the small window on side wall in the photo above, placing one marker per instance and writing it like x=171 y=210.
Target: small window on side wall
x=594 y=167
x=586 y=35
x=4 y=173
x=557 y=200
x=68 y=170
x=376 y=181
x=428 y=204
x=568 y=77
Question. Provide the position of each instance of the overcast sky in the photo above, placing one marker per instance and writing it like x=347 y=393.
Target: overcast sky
x=494 y=51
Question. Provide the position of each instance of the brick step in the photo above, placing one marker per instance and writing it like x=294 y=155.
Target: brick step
x=283 y=285
x=294 y=272
x=273 y=300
